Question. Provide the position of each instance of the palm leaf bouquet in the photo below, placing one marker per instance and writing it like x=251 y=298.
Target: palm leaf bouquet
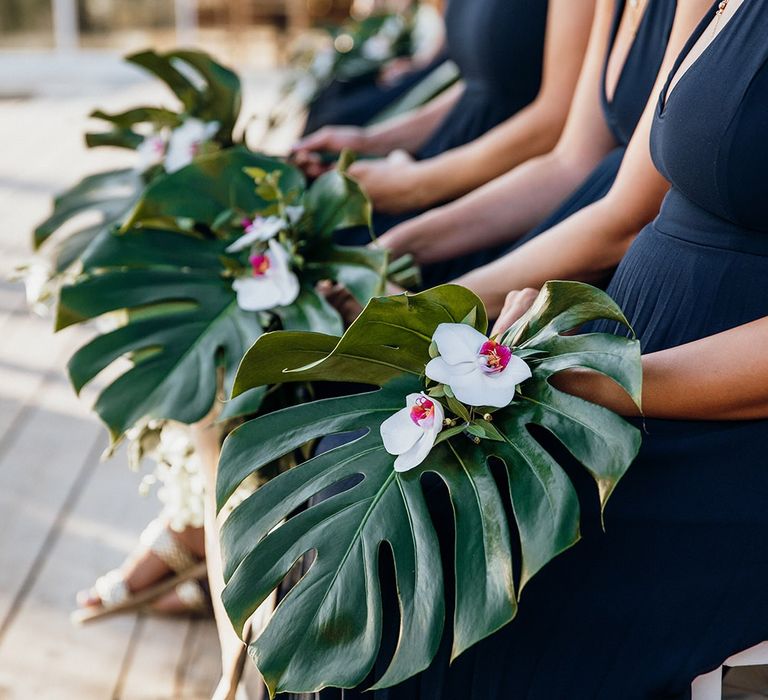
x=442 y=399
x=208 y=97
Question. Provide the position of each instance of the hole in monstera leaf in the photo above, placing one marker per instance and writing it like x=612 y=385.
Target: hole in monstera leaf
x=190 y=73
x=145 y=354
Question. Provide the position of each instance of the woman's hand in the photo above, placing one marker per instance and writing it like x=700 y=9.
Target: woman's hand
x=391 y=183
x=583 y=383
x=515 y=305
x=395 y=70
x=310 y=154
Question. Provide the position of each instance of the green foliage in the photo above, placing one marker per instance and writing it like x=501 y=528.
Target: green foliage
x=211 y=185
x=169 y=273
x=326 y=631
x=206 y=90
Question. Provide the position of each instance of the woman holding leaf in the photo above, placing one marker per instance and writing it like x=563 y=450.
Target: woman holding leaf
x=618 y=78
x=673 y=586
x=519 y=62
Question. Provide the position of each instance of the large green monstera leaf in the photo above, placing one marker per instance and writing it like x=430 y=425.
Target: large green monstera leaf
x=327 y=629
x=189 y=324
x=180 y=319
x=206 y=90
x=213 y=184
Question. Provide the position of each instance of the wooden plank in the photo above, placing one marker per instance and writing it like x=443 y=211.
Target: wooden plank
x=51 y=454
x=159 y=648
x=746 y=683
x=42 y=655
x=200 y=668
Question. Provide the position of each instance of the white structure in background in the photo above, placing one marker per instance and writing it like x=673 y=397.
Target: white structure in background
x=67 y=36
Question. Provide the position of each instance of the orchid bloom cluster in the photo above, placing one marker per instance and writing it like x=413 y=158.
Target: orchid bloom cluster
x=177 y=148
x=477 y=371
x=269 y=282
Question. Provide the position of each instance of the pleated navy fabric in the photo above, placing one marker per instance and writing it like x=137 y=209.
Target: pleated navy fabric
x=676 y=584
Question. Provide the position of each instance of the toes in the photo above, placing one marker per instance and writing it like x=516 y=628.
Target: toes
x=88 y=599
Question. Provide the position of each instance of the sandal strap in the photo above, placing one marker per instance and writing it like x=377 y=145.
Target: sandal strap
x=112 y=589
x=160 y=541
x=192 y=594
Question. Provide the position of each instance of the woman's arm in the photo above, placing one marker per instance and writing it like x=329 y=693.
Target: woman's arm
x=589 y=244
x=720 y=377
x=717 y=378
x=532 y=131
x=407 y=132
x=510 y=205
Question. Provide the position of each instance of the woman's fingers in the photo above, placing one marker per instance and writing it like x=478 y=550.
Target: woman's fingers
x=515 y=305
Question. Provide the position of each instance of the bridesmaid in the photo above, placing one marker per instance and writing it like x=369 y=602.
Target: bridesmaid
x=500 y=48
x=627 y=47
x=676 y=584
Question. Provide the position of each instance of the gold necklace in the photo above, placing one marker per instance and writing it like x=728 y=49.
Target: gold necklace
x=721 y=8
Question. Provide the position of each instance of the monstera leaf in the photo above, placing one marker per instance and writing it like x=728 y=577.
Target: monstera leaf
x=189 y=324
x=327 y=629
x=210 y=185
x=110 y=195
x=183 y=321
x=207 y=91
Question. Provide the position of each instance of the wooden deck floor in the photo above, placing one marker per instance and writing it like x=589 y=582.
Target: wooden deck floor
x=65 y=517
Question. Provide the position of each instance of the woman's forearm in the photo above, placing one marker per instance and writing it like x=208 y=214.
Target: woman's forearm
x=721 y=377
x=531 y=132
x=499 y=212
x=585 y=247
x=411 y=131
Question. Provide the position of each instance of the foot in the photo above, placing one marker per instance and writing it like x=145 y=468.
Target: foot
x=145 y=569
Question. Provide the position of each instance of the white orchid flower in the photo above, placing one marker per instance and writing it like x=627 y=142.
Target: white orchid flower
x=479 y=371
x=151 y=152
x=271 y=284
x=411 y=433
x=185 y=142
x=258 y=230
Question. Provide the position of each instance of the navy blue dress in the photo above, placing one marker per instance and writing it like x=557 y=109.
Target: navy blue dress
x=677 y=582
x=357 y=102
x=622 y=114
x=499 y=48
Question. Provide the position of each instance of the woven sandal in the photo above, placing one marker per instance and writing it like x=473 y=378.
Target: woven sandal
x=116 y=598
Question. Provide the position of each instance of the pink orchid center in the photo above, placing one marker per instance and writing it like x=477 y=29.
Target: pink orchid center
x=246 y=223
x=494 y=357
x=260 y=265
x=158 y=146
x=194 y=148
x=423 y=412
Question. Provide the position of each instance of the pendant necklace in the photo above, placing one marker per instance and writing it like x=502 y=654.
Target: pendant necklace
x=720 y=10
